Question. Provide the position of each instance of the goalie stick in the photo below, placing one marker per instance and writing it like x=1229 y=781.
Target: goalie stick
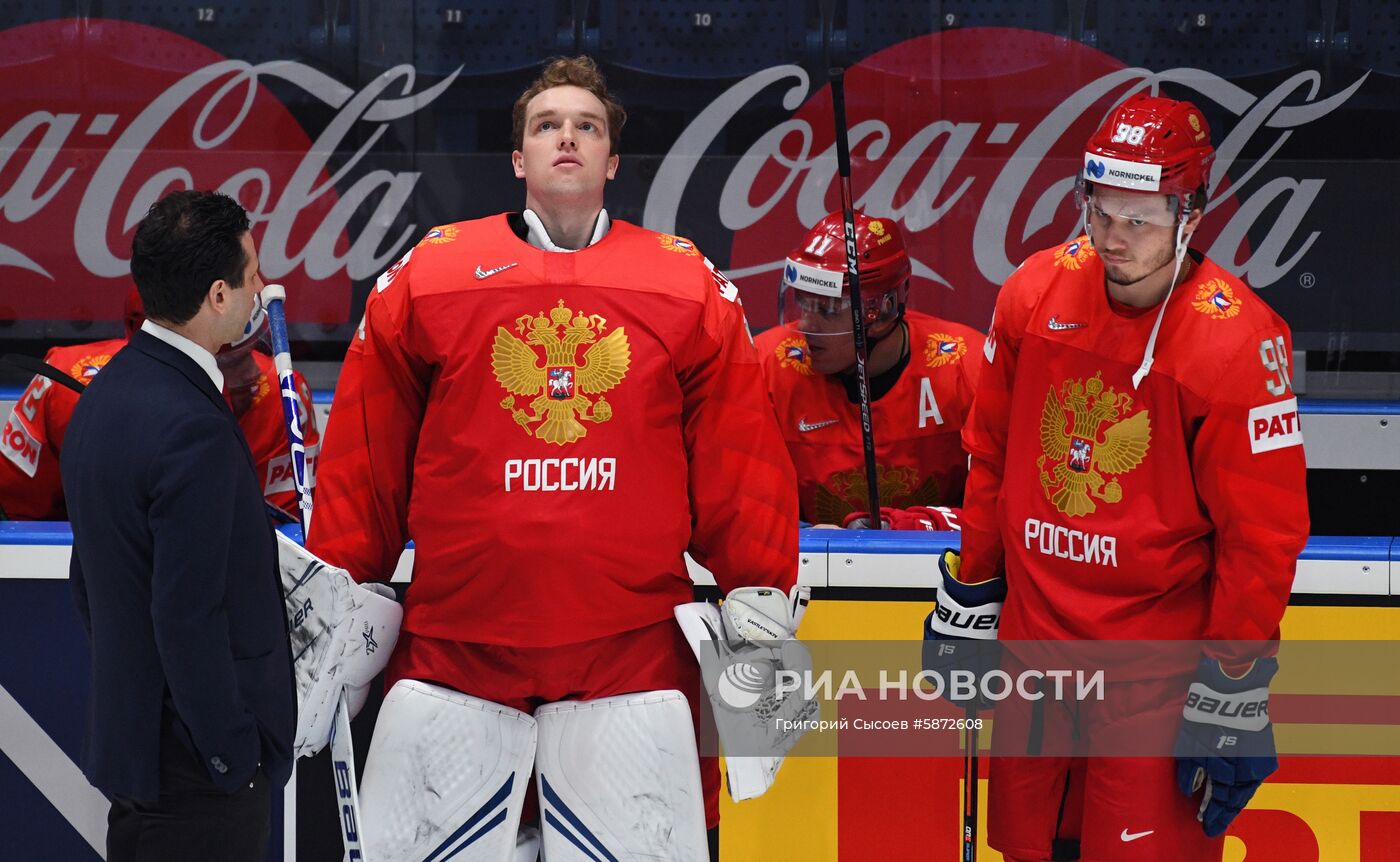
x=342 y=749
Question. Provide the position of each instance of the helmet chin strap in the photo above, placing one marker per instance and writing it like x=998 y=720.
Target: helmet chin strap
x=1179 y=256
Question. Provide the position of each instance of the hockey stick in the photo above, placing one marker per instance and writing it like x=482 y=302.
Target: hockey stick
x=347 y=787
x=969 y=830
x=43 y=369
x=342 y=748
x=273 y=297
x=836 y=75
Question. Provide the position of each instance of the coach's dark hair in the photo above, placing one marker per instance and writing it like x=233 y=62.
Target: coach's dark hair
x=187 y=241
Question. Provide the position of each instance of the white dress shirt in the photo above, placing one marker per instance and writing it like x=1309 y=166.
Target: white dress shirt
x=203 y=358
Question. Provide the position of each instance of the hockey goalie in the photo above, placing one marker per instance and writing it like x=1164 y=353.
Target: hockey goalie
x=555 y=406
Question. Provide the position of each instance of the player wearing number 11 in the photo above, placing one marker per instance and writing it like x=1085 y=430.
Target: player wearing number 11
x=1137 y=474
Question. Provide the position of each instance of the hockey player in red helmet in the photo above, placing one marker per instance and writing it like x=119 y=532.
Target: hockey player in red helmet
x=815 y=296
x=1118 y=460
x=921 y=381
x=30 y=485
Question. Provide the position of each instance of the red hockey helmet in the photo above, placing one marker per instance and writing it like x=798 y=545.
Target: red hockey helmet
x=1151 y=144
x=815 y=286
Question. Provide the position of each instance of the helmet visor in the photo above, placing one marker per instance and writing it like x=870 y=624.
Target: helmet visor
x=1133 y=211
x=814 y=314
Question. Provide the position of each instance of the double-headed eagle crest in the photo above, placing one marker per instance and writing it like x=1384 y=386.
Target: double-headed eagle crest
x=559 y=385
x=1080 y=457
x=792 y=354
x=1073 y=256
x=846 y=492
x=944 y=349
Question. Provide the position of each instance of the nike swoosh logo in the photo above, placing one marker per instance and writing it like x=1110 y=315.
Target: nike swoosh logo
x=1056 y=325
x=487 y=273
x=804 y=425
x=1133 y=836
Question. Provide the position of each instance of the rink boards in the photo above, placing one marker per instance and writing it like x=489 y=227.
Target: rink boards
x=868 y=587
x=1312 y=810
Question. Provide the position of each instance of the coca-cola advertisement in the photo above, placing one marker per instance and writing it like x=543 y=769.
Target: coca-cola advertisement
x=969 y=137
x=349 y=130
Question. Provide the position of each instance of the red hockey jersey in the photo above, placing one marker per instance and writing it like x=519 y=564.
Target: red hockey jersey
x=917 y=424
x=1173 y=511
x=30 y=487
x=553 y=430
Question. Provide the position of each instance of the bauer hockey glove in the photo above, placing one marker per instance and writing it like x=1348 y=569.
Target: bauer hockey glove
x=938 y=518
x=1226 y=744
x=960 y=635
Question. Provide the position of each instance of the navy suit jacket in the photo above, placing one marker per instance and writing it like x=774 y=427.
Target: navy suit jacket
x=175 y=573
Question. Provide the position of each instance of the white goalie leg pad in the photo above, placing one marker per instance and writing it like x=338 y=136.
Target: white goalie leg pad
x=445 y=777
x=341 y=635
x=619 y=779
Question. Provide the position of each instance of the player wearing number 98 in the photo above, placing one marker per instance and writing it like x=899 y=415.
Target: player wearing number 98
x=1137 y=474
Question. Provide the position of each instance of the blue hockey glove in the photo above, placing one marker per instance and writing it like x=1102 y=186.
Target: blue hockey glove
x=960 y=635
x=1226 y=744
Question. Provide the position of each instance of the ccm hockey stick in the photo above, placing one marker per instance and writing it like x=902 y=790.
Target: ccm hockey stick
x=342 y=748
x=836 y=75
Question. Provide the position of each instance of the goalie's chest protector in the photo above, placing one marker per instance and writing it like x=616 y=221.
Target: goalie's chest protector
x=551 y=468
x=1104 y=532
x=916 y=424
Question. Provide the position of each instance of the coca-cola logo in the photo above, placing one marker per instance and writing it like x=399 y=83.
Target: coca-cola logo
x=972 y=140
x=101 y=118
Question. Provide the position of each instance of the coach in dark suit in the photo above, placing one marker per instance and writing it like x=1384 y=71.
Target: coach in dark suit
x=174 y=569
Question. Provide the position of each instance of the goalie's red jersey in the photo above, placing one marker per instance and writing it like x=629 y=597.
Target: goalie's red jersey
x=553 y=430
x=916 y=423
x=30 y=486
x=1176 y=510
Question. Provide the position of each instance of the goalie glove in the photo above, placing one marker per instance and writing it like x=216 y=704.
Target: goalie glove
x=341 y=634
x=960 y=634
x=742 y=647
x=1225 y=747
x=937 y=518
